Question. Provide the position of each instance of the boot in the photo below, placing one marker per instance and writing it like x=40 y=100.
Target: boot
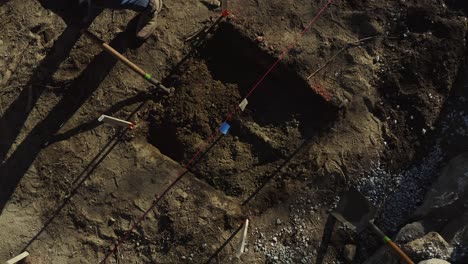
x=147 y=22
x=212 y=3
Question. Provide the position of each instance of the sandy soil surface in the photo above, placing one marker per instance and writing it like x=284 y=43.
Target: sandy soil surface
x=70 y=186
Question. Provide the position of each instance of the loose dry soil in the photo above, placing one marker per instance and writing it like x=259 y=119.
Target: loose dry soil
x=70 y=186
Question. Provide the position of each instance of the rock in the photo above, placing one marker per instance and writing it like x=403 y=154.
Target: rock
x=213 y=3
x=181 y=195
x=446 y=203
x=434 y=261
x=410 y=232
x=259 y=132
x=448 y=194
x=349 y=252
x=376 y=59
x=456 y=231
x=430 y=246
x=278 y=221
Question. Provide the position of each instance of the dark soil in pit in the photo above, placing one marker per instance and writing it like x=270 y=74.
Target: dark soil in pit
x=282 y=112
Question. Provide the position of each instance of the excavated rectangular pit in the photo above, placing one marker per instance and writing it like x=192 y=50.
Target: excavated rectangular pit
x=282 y=112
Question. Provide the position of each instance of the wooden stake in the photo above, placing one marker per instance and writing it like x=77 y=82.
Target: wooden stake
x=243 y=104
x=241 y=248
x=18 y=258
x=115 y=121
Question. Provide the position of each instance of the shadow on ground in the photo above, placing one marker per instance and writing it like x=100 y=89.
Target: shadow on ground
x=80 y=90
x=15 y=116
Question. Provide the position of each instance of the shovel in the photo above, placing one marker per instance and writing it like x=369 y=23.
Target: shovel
x=356 y=212
x=126 y=61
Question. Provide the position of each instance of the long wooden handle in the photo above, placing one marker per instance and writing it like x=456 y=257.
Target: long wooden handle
x=119 y=56
x=123 y=59
x=392 y=244
x=400 y=252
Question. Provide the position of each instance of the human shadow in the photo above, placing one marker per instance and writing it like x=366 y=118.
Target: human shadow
x=72 y=12
x=16 y=114
x=13 y=168
x=87 y=171
x=326 y=238
x=80 y=179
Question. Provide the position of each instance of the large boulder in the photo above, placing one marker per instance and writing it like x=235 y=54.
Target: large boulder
x=444 y=209
x=410 y=232
x=446 y=206
x=429 y=246
x=448 y=196
x=434 y=261
x=349 y=252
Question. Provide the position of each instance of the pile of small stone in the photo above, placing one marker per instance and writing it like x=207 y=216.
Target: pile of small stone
x=291 y=243
x=400 y=193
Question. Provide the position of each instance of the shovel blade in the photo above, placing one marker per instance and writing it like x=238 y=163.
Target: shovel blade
x=354 y=210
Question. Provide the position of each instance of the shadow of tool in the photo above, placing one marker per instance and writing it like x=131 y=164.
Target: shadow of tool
x=226 y=242
x=81 y=178
x=94 y=163
x=92 y=124
x=326 y=238
x=13 y=169
x=275 y=172
x=84 y=175
x=196 y=41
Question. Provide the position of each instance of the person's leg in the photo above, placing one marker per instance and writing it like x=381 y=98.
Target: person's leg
x=149 y=13
x=147 y=22
x=136 y=5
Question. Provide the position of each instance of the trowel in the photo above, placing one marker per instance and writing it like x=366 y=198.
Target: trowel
x=356 y=212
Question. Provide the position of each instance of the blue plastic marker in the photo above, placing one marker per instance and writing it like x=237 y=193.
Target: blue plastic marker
x=224 y=128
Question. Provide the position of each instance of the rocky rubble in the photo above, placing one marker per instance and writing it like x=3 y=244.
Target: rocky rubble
x=430 y=246
x=441 y=232
x=277 y=247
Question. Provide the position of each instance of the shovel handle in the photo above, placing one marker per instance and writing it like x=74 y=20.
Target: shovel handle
x=392 y=244
x=400 y=252
x=126 y=61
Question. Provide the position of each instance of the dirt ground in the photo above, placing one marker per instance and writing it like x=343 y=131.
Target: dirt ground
x=70 y=186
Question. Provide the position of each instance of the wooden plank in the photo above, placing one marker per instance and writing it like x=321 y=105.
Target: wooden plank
x=18 y=258
x=115 y=121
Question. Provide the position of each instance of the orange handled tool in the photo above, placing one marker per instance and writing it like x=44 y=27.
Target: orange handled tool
x=358 y=213
x=392 y=244
x=126 y=61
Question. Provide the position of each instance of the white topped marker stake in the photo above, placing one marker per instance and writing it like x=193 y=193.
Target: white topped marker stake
x=241 y=248
x=243 y=104
x=115 y=121
x=18 y=258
